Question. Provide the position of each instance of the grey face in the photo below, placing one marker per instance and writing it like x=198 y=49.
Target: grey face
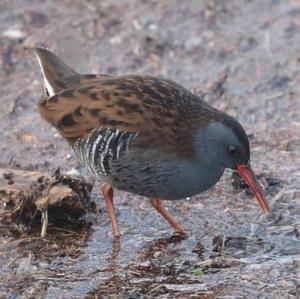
x=222 y=145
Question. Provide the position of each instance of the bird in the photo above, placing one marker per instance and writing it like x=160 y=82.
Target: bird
x=142 y=134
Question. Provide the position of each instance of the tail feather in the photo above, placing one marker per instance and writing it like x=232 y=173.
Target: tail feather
x=57 y=75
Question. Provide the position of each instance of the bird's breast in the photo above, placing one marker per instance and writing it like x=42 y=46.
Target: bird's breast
x=159 y=176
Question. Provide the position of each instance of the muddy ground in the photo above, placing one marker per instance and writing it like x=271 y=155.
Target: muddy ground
x=244 y=57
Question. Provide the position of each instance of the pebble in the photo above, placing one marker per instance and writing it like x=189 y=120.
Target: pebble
x=73 y=172
x=13 y=33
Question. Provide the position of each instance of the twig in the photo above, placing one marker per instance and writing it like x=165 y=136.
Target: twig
x=45 y=223
x=223 y=243
x=154 y=289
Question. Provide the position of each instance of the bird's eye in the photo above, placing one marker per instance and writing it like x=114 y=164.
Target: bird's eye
x=47 y=92
x=232 y=150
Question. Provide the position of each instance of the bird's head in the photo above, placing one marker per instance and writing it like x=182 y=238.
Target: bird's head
x=224 y=144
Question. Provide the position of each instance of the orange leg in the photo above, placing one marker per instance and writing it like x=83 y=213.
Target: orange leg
x=108 y=195
x=156 y=203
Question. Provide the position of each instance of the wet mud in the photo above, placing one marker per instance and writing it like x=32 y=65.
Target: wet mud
x=243 y=58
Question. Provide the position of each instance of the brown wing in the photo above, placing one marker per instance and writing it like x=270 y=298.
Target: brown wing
x=160 y=110
x=79 y=81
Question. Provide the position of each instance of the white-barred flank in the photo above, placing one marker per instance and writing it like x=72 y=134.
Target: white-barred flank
x=101 y=147
x=91 y=156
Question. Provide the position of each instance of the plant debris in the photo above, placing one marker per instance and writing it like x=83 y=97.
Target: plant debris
x=27 y=198
x=199 y=249
x=268 y=182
